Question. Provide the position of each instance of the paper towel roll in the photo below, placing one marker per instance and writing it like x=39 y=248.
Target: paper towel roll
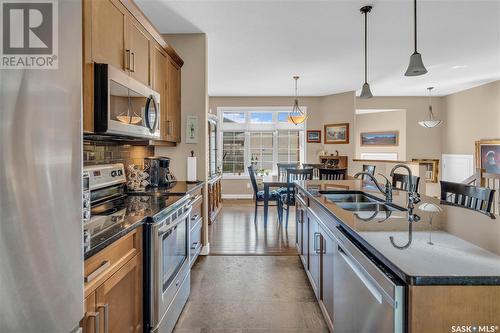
x=191 y=169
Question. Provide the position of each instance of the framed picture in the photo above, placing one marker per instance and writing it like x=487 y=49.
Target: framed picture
x=390 y=138
x=314 y=136
x=337 y=133
x=488 y=155
x=192 y=129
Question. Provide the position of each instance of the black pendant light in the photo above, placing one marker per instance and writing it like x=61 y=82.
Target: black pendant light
x=365 y=91
x=416 y=66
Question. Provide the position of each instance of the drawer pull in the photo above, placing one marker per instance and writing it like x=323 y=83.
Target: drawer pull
x=105 y=265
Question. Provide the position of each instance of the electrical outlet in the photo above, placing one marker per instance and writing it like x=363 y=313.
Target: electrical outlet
x=248 y=185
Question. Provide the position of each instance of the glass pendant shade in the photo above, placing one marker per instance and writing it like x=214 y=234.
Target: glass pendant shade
x=365 y=91
x=430 y=121
x=296 y=116
x=416 y=66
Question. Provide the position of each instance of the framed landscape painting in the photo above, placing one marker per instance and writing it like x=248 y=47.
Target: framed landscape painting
x=488 y=155
x=314 y=136
x=389 y=138
x=337 y=133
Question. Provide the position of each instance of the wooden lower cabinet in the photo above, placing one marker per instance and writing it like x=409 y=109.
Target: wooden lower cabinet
x=115 y=305
x=214 y=186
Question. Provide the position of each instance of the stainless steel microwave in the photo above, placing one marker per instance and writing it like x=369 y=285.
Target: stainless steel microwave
x=124 y=106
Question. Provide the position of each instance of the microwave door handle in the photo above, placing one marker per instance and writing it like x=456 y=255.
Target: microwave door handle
x=152 y=127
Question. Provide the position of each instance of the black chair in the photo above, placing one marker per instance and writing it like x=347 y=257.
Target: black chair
x=469 y=196
x=332 y=174
x=314 y=166
x=259 y=194
x=282 y=167
x=288 y=199
x=402 y=182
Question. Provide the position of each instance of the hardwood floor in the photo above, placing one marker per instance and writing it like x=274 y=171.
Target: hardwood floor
x=250 y=294
x=235 y=233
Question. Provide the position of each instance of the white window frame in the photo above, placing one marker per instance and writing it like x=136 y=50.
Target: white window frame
x=247 y=127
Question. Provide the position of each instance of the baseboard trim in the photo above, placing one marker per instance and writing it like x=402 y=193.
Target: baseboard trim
x=237 y=196
x=205 y=250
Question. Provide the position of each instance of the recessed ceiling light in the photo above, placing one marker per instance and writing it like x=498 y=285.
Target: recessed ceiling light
x=459 y=66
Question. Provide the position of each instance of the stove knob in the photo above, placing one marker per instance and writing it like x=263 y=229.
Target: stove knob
x=113 y=173
x=86 y=215
x=86 y=204
x=120 y=172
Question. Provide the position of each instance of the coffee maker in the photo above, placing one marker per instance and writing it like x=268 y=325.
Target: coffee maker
x=158 y=169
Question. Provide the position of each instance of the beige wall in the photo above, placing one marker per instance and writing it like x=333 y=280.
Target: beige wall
x=471 y=115
x=421 y=142
x=321 y=110
x=381 y=122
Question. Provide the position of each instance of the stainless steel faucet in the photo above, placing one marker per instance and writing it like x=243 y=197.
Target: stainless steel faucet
x=413 y=196
x=386 y=190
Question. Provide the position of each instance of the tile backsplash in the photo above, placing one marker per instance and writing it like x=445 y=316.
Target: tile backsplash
x=103 y=152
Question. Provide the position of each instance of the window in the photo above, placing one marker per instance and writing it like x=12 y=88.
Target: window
x=233 y=160
x=261 y=150
x=259 y=136
x=288 y=146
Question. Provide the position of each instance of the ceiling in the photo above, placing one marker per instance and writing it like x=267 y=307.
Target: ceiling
x=255 y=47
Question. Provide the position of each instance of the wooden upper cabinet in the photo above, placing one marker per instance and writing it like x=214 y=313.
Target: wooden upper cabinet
x=173 y=101
x=137 y=51
x=108 y=32
x=159 y=84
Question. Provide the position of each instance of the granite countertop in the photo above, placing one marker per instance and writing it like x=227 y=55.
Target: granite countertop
x=132 y=213
x=180 y=187
x=455 y=246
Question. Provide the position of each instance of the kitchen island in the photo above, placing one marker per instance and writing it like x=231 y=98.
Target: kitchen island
x=448 y=258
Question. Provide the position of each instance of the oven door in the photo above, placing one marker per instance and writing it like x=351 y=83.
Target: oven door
x=123 y=105
x=171 y=260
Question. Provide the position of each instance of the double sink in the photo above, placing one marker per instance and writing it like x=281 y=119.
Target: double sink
x=357 y=201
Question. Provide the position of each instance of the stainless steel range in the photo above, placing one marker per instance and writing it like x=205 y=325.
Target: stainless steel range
x=166 y=240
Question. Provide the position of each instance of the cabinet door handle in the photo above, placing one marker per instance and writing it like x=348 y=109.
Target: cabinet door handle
x=104 y=265
x=315 y=245
x=132 y=69
x=127 y=59
x=106 y=316
x=168 y=127
x=95 y=315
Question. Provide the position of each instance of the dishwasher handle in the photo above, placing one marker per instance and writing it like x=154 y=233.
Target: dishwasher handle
x=367 y=281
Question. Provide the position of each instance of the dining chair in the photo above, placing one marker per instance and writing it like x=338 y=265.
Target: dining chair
x=288 y=198
x=468 y=196
x=332 y=174
x=402 y=182
x=282 y=167
x=259 y=195
x=315 y=167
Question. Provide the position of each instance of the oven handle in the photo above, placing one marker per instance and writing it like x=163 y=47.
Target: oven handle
x=167 y=227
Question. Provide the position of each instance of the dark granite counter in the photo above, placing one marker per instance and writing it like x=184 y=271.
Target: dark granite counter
x=180 y=187
x=448 y=246
x=135 y=210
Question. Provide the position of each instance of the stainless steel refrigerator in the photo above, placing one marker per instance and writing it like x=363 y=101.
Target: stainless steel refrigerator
x=41 y=256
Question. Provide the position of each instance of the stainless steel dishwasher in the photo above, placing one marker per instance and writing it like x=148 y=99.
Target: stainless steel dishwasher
x=366 y=300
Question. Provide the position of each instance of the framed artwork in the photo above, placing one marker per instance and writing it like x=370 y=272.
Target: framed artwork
x=314 y=136
x=192 y=129
x=488 y=155
x=337 y=133
x=389 y=138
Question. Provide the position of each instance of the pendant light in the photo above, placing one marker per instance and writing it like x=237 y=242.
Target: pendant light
x=365 y=90
x=296 y=116
x=416 y=66
x=430 y=121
